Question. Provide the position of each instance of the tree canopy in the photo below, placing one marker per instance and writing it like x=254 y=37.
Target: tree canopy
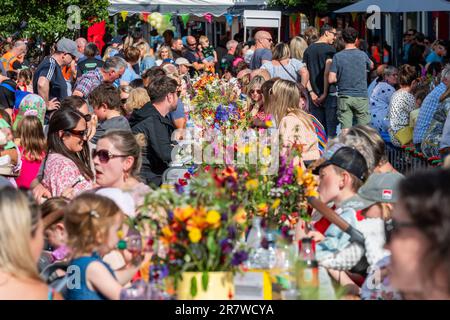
x=48 y=19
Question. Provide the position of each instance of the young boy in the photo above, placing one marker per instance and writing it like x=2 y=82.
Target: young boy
x=107 y=105
x=341 y=175
x=207 y=50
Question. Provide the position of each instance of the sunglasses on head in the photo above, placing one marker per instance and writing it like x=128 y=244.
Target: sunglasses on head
x=104 y=155
x=78 y=133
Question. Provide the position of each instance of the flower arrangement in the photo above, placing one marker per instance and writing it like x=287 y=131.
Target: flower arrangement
x=203 y=228
x=216 y=104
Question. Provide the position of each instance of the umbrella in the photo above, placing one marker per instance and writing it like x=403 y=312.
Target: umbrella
x=397 y=6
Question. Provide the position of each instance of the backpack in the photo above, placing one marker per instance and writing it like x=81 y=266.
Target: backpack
x=19 y=94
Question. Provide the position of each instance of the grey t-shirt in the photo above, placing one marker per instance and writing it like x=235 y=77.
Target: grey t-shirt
x=351 y=67
x=289 y=72
x=259 y=56
x=119 y=122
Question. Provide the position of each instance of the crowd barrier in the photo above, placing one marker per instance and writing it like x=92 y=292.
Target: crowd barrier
x=408 y=160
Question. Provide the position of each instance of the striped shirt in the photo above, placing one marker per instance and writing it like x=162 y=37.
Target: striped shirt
x=427 y=110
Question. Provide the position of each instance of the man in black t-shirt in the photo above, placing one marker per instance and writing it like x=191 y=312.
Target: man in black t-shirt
x=318 y=58
x=48 y=80
x=227 y=61
x=90 y=63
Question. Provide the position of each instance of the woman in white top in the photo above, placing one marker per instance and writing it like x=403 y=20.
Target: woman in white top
x=380 y=98
x=402 y=102
x=283 y=67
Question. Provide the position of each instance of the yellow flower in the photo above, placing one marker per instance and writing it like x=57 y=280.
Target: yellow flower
x=245 y=150
x=269 y=123
x=262 y=208
x=311 y=192
x=167 y=232
x=251 y=184
x=266 y=152
x=213 y=217
x=299 y=174
x=195 y=235
x=276 y=203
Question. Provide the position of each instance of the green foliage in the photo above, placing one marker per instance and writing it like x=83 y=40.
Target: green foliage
x=315 y=5
x=48 y=18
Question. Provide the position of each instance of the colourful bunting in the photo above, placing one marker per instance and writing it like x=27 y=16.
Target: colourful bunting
x=185 y=19
x=208 y=17
x=168 y=17
x=124 y=15
x=229 y=18
x=145 y=16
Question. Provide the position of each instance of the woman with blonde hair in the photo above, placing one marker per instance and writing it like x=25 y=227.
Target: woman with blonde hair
x=147 y=56
x=22 y=239
x=295 y=125
x=284 y=67
x=254 y=95
x=163 y=53
x=136 y=100
x=298 y=46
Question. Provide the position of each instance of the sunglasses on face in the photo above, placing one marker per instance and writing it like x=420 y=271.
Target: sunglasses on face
x=392 y=227
x=192 y=44
x=104 y=155
x=124 y=100
x=78 y=133
x=255 y=91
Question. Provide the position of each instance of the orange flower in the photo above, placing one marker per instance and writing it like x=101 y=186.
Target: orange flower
x=182 y=214
x=230 y=172
x=263 y=208
x=240 y=216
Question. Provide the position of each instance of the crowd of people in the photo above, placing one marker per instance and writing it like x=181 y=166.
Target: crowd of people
x=85 y=137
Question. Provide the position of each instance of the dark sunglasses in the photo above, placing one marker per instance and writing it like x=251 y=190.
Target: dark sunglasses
x=124 y=101
x=104 y=155
x=392 y=227
x=78 y=133
x=87 y=117
x=255 y=91
x=192 y=44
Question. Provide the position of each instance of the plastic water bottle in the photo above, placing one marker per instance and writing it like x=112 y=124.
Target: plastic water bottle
x=254 y=239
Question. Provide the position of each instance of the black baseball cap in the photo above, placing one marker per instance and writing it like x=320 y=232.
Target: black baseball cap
x=346 y=158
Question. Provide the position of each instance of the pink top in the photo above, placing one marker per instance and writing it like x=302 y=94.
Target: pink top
x=61 y=173
x=28 y=172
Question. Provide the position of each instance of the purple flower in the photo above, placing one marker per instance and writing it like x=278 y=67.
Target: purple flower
x=223 y=217
x=232 y=232
x=234 y=207
x=239 y=257
x=285 y=232
x=179 y=189
x=170 y=215
x=222 y=113
x=225 y=246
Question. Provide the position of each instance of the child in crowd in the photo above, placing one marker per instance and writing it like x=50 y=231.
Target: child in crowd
x=342 y=172
x=54 y=230
x=32 y=146
x=24 y=80
x=209 y=54
x=105 y=99
x=92 y=223
x=375 y=203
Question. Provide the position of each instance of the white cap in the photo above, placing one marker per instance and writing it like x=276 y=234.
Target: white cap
x=122 y=199
x=184 y=61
